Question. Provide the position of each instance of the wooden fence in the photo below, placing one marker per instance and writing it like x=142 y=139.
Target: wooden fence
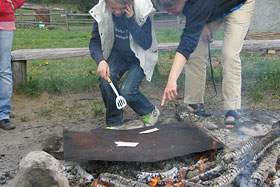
x=67 y=18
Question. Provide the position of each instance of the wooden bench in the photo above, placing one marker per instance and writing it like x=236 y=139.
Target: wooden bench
x=20 y=57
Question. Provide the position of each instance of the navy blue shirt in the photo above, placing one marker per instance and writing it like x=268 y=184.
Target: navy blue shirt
x=122 y=27
x=121 y=32
x=198 y=13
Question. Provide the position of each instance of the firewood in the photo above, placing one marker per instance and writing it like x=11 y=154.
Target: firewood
x=200 y=168
x=170 y=176
x=192 y=184
x=256 y=145
x=229 y=176
x=266 y=166
x=208 y=174
x=239 y=152
x=254 y=151
x=276 y=179
x=276 y=182
x=118 y=181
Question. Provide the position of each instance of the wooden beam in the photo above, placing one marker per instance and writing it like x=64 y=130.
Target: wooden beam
x=251 y=45
x=54 y=53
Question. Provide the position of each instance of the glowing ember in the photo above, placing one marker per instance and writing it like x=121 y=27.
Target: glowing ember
x=155 y=181
x=96 y=183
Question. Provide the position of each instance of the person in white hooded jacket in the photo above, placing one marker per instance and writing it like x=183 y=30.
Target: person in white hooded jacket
x=123 y=41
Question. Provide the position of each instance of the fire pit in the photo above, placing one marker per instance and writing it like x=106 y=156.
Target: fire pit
x=246 y=161
x=249 y=157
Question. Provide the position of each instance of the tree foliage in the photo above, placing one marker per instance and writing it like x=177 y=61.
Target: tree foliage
x=85 y=5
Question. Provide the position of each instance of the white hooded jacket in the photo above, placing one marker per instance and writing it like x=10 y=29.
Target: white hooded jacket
x=142 y=9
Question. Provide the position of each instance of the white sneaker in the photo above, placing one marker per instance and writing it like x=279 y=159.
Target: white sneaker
x=151 y=118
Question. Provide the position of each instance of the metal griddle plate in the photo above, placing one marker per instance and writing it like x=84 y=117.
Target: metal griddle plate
x=169 y=141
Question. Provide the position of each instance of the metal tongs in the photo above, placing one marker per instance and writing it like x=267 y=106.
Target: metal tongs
x=120 y=100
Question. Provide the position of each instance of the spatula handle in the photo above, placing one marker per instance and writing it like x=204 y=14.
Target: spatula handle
x=112 y=86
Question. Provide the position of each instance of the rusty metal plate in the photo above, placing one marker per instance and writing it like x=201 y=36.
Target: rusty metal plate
x=169 y=141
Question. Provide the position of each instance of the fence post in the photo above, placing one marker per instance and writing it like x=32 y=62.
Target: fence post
x=67 y=20
x=21 y=20
x=178 y=20
x=19 y=70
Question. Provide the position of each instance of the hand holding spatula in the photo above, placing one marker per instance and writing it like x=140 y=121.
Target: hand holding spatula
x=120 y=100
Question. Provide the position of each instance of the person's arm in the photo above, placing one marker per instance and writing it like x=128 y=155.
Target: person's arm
x=95 y=44
x=196 y=14
x=142 y=35
x=96 y=52
x=170 y=91
x=17 y=3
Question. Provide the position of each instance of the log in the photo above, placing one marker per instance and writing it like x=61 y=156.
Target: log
x=266 y=167
x=55 y=53
x=276 y=179
x=32 y=54
x=207 y=175
x=229 y=176
x=251 y=45
x=119 y=181
x=173 y=175
x=239 y=152
x=256 y=145
x=253 y=153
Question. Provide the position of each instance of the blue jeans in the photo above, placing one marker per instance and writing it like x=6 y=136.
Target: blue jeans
x=129 y=88
x=6 y=83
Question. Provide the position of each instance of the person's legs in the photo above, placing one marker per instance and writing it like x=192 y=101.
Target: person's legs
x=195 y=70
x=135 y=99
x=236 y=27
x=195 y=74
x=6 y=82
x=130 y=89
x=118 y=67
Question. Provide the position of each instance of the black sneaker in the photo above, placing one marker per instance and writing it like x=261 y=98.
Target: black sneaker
x=6 y=124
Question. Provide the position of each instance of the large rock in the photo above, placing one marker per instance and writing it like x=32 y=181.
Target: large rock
x=39 y=169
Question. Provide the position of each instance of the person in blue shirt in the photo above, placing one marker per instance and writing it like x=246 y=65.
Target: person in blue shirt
x=123 y=41
x=203 y=18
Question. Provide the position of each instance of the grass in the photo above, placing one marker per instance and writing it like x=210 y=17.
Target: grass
x=260 y=74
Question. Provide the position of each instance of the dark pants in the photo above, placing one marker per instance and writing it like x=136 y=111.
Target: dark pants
x=129 y=88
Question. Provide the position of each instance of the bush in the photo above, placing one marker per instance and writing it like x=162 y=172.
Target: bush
x=85 y=5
